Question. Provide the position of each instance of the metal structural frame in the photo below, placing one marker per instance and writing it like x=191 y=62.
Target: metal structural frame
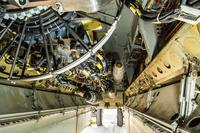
x=90 y=52
x=171 y=63
x=162 y=125
x=30 y=121
x=38 y=114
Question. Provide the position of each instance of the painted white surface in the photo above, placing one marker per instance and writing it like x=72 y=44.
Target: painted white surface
x=103 y=129
x=134 y=124
x=56 y=123
x=109 y=124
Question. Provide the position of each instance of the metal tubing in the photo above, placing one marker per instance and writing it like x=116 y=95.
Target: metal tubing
x=52 y=51
x=77 y=37
x=45 y=45
x=181 y=96
x=10 y=117
x=25 y=59
x=197 y=92
x=8 y=47
x=6 y=29
x=74 y=34
x=78 y=61
x=190 y=95
x=18 y=48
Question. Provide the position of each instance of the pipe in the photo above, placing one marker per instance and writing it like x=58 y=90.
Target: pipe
x=17 y=116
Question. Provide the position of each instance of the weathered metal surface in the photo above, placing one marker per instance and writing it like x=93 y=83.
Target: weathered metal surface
x=82 y=5
x=65 y=121
x=68 y=5
x=164 y=105
x=189 y=14
x=171 y=62
x=16 y=100
x=149 y=35
x=135 y=124
x=159 y=124
x=36 y=114
x=187 y=95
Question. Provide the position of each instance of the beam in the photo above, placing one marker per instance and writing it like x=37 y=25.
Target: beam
x=171 y=63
